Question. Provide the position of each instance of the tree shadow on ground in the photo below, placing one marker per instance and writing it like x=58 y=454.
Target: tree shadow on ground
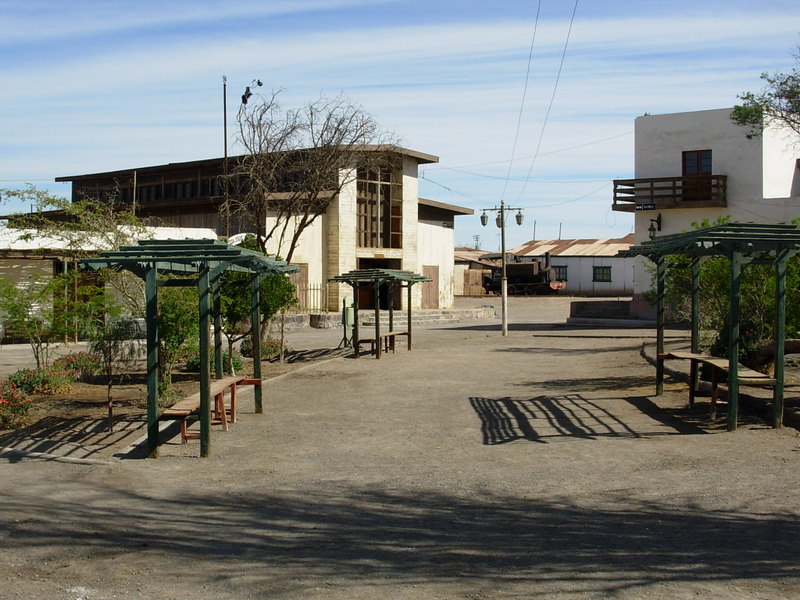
x=550 y=418
x=255 y=543
x=304 y=356
x=81 y=437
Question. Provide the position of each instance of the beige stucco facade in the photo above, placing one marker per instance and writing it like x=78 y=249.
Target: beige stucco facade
x=330 y=247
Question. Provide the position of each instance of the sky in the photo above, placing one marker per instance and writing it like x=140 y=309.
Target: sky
x=527 y=102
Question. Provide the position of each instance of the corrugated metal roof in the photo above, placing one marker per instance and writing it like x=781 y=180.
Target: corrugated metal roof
x=582 y=247
x=461 y=254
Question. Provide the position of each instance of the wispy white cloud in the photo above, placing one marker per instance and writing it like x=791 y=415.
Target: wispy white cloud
x=106 y=88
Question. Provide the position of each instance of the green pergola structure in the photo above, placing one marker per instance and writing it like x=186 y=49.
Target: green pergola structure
x=376 y=278
x=741 y=244
x=200 y=264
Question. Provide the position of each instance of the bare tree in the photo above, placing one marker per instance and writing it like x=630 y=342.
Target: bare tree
x=296 y=162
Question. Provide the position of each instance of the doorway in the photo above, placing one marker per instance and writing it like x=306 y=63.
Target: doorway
x=366 y=294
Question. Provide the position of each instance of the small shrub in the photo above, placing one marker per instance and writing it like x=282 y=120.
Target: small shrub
x=269 y=348
x=82 y=364
x=193 y=361
x=48 y=381
x=14 y=406
x=167 y=394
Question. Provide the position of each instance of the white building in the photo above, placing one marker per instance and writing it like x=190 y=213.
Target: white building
x=589 y=267
x=696 y=166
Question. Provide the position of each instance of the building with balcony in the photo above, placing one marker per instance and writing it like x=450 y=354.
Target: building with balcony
x=696 y=166
x=377 y=220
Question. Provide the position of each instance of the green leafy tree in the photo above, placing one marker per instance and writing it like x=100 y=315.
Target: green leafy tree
x=178 y=327
x=27 y=312
x=81 y=229
x=778 y=102
x=277 y=294
x=113 y=342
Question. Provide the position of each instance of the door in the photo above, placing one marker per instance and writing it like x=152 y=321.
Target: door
x=430 y=289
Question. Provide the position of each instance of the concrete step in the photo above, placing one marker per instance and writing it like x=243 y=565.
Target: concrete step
x=366 y=317
x=427 y=317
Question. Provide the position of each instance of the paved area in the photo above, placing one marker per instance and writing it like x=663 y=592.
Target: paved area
x=537 y=465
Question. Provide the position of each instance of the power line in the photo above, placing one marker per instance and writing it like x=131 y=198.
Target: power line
x=522 y=103
x=552 y=97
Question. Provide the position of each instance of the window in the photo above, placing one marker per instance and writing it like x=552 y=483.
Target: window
x=696 y=175
x=561 y=272
x=697 y=162
x=380 y=209
x=602 y=274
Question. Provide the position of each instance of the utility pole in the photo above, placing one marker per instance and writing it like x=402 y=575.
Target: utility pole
x=501 y=223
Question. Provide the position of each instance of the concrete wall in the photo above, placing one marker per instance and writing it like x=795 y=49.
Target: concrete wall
x=436 y=248
x=580 y=271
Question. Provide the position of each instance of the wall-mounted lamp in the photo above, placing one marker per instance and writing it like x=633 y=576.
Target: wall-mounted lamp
x=655 y=225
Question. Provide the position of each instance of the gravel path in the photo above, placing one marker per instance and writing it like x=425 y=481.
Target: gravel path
x=478 y=467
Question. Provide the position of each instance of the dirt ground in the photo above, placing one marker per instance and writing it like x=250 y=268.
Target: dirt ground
x=539 y=465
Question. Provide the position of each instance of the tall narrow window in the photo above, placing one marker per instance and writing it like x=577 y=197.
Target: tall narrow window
x=696 y=175
x=380 y=209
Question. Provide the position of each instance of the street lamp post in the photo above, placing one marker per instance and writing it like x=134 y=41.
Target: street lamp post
x=501 y=223
x=245 y=97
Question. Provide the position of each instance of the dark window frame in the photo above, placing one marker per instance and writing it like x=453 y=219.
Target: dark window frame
x=696 y=162
x=601 y=274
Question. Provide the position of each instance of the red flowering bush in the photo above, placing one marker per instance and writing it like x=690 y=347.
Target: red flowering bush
x=82 y=364
x=48 y=381
x=14 y=405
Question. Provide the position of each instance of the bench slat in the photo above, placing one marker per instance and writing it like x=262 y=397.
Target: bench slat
x=747 y=376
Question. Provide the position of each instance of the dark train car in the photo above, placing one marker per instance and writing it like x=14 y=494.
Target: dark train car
x=525 y=279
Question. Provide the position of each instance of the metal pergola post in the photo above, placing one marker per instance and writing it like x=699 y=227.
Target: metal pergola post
x=204 y=300
x=661 y=277
x=151 y=323
x=217 y=314
x=255 y=319
x=733 y=340
x=780 y=339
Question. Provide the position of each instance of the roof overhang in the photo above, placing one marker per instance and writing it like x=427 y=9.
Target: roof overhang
x=456 y=210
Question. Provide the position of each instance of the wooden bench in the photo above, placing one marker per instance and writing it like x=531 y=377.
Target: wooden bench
x=221 y=414
x=387 y=340
x=747 y=376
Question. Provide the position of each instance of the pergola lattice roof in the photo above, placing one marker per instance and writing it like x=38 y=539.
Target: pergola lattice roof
x=750 y=239
x=187 y=256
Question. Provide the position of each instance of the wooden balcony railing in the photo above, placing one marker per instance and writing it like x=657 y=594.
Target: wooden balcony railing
x=695 y=191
